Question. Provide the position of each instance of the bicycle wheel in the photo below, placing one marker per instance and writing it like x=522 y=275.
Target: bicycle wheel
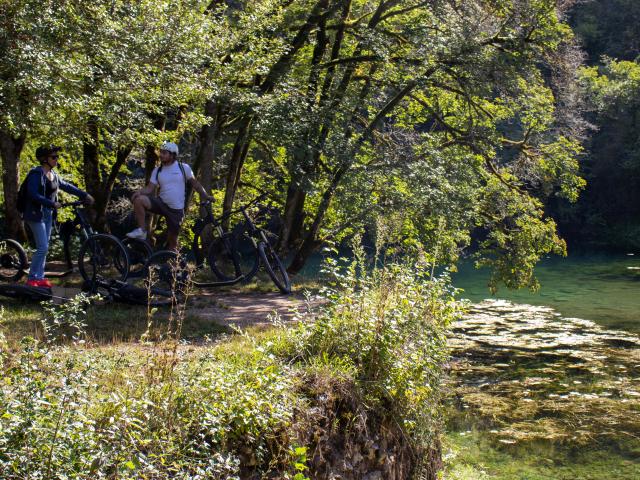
x=166 y=275
x=274 y=267
x=13 y=260
x=138 y=251
x=103 y=258
x=233 y=256
x=202 y=240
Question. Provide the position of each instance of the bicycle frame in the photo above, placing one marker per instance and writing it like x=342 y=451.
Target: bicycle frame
x=86 y=231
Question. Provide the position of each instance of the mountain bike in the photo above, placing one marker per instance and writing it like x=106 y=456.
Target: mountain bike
x=206 y=230
x=233 y=256
x=229 y=258
x=101 y=257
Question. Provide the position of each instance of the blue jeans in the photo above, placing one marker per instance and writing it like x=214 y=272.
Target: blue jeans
x=41 y=233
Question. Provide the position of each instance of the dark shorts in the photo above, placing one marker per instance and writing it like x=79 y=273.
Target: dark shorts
x=173 y=216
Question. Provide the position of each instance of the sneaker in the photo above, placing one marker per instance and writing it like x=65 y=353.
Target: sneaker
x=33 y=283
x=44 y=283
x=138 y=233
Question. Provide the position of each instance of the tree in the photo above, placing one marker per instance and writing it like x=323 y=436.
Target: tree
x=33 y=85
x=466 y=83
x=142 y=64
x=99 y=75
x=462 y=115
x=608 y=214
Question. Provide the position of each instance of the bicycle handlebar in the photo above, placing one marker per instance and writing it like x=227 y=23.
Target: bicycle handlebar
x=239 y=209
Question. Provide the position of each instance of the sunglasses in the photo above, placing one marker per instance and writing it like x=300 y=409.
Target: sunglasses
x=55 y=157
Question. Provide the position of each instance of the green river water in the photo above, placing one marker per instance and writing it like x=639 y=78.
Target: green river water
x=546 y=385
x=604 y=288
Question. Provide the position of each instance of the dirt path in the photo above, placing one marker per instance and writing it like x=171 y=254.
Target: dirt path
x=232 y=308
x=245 y=309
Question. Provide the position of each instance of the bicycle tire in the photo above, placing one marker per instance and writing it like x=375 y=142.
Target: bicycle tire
x=274 y=267
x=204 y=235
x=231 y=257
x=139 y=252
x=107 y=259
x=13 y=260
x=166 y=275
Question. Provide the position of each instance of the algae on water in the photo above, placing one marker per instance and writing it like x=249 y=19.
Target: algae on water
x=524 y=379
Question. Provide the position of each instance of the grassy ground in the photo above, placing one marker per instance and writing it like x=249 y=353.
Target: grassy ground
x=107 y=323
x=115 y=391
x=112 y=322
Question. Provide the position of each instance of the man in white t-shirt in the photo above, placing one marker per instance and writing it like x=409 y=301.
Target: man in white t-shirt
x=170 y=180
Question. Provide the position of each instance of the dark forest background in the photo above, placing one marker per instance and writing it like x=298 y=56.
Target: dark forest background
x=607 y=214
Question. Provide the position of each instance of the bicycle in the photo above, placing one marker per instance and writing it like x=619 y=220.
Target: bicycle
x=101 y=257
x=233 y=257
x=226 y=257
x=206 y=229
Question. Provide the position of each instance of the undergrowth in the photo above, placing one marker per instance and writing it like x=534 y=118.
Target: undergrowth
x=383 y=329
x=365 y=368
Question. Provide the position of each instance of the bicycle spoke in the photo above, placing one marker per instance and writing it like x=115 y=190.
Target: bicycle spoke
x=103 y=258
x=13 y=260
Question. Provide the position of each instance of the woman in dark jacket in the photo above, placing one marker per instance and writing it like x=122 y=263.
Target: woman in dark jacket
x=43 y=184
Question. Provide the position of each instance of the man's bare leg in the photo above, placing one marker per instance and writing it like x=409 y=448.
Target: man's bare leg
x=172 y=241
x=140 y=206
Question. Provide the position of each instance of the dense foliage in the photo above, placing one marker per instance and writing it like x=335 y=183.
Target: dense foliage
x=441 y=117
x=608 y=213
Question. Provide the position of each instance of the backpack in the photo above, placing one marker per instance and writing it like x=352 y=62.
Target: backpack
x=21 y=201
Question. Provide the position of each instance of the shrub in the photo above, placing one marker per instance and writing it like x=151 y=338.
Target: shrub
x=71 y=413
x=383 y=329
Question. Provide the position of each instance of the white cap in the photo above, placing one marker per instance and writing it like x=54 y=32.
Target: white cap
x=170 y=147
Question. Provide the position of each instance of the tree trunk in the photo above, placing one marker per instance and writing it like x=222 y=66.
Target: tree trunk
x=10 y=149
x=102 y=201
x=238 y=154
x=151 y=159
x=293 y=217
x=299 y=215
x=203 y=165
x=311 y=242
x=90 y=159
